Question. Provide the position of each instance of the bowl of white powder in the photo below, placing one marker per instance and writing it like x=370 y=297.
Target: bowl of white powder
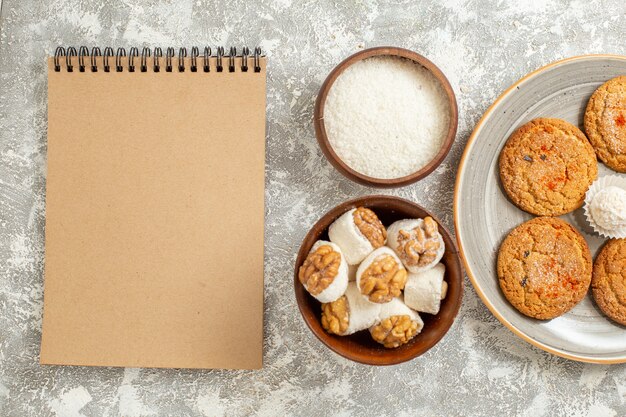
x=386 y=117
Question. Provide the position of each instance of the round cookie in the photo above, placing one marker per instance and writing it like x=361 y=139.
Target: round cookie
x=546 y=167
x=609 y=280
x=605 y=123
x=544 y=267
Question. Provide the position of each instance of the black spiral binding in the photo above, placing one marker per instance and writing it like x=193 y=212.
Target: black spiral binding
x=231 y=59
x=207 y=55
x=118 y=59
x=244 y=59
x=218 y=59
x=182 y=54
x=71 y=51
x=145 y=54
x=134 y=52
x=158 y=53
x=95 y=52
x=195 y=53
x=107 y=54
x=169 y=53
x=82 y=53
x=257 y=59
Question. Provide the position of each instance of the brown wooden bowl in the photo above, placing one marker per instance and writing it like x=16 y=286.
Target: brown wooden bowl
x=333 y=158
x=360 y=347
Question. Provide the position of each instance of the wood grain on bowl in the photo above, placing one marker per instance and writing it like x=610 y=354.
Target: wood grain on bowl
x=360 y=347
x=341 y=166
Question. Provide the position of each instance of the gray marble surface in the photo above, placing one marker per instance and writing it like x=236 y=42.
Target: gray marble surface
x=479 y=368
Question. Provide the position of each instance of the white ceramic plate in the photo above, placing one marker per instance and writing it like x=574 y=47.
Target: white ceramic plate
x=483 y=215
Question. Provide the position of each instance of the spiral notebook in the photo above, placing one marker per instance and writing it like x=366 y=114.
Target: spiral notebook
x=155 y=208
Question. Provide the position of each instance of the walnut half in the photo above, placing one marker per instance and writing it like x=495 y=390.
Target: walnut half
x=383 y=280
x=335 y=316
x=370 y=226
x=419 y=247
x=319 y=269
x=394 y=331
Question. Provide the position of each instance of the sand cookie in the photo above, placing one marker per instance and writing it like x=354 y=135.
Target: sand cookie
x=546 y=167
x=357 y=232
x=544 y=267
x=397 y=325
x=605 y=123
x=350 y=313
x=609 y=280
x=381 y=276
x=324 y=273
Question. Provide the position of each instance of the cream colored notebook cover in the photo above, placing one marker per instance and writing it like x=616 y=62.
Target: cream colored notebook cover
x=154 y=211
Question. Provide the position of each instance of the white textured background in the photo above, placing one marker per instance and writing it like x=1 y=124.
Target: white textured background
x=479 y=368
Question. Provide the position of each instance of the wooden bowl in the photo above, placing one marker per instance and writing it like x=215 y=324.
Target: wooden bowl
x=327 y=149
x=360 y=347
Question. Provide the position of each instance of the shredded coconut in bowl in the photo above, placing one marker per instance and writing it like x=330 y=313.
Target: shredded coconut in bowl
x=386 y=117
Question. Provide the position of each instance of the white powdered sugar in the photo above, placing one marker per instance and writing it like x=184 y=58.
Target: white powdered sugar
x=386 y=117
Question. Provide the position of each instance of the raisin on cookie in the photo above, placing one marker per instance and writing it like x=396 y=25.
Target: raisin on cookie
x=546 y=167
x=605 y=123
x=609 y=280
x=544 y=267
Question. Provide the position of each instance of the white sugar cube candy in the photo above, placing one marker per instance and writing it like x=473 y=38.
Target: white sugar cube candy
x=362 y=313
x=339 y=284
x=383 y=250
x=345 y=233
x=396 y=307
x=409 y=226
x=425 y=290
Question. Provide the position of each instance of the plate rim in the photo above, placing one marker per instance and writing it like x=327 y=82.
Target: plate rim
x=460 y=173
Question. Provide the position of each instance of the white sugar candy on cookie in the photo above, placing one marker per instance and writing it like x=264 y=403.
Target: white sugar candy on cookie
x=324 y=273
x=425 y=290
x=357 y=232
x=397 y=324
x=381 y=276
x=350 y=313
x=417 y=242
